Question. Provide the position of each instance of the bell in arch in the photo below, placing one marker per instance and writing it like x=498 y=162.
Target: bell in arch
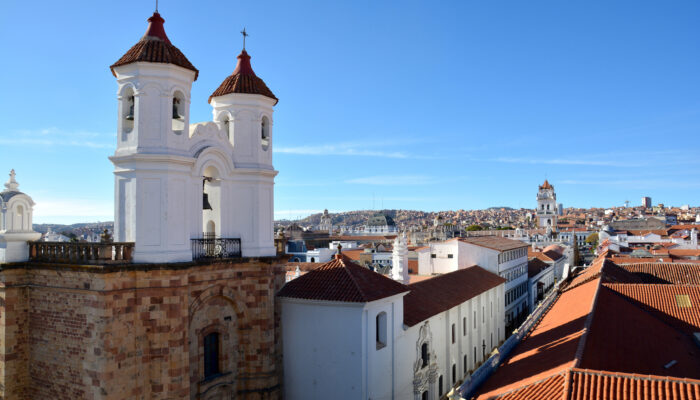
x=205 y=202
x=176 y=115
x=130 y=116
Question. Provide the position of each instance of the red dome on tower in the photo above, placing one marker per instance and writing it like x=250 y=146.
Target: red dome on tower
x=243 y=80
x=155 y=47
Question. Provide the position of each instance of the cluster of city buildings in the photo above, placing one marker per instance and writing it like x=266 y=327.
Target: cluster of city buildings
x=195 y=298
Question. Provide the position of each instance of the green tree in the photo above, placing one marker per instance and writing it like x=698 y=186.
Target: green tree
x=592 y=239
x=472 y=228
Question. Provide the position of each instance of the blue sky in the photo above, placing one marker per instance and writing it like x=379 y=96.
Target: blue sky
x=395 y=104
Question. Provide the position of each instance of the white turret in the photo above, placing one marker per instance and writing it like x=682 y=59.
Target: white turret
x=16 y=210
x=399 y=268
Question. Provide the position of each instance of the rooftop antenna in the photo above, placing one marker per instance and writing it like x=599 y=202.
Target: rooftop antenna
x=243 y=32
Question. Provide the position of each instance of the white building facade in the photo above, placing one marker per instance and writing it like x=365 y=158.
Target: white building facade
x=392 y=344
x=505 y=257
x=176 y=181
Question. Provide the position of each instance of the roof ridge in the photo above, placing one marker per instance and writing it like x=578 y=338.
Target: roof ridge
x=352 y=277
x=587 y=325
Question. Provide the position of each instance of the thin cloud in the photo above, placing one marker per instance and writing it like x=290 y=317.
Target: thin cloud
x=560 y=161
x=393 y=180
x=50 y=137
x=346 y=149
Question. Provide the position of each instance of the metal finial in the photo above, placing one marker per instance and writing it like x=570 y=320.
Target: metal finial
x=340 y=247
x=156 y=5
x=243 y=32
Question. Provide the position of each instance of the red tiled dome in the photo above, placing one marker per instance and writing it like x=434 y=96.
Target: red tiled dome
x=155 y=47
x=243 y=80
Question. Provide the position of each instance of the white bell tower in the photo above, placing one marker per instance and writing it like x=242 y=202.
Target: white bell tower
x=547 y=206
x=152 y=161
x=243 y=107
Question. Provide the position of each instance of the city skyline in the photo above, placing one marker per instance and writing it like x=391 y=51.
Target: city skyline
x=460 y=106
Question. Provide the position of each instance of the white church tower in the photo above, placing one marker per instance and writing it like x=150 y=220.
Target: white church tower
x=16 y=211
x=546 y=206
x=176 y=181
x=399 y=267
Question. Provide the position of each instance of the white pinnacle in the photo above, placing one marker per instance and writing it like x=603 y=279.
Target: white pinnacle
x=11 y=185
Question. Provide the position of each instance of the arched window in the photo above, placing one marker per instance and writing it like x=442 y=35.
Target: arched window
x=440 y=386
x=425 y=357
x=265 y=133
x=128 y=110
x=211 y=355
x=454 y=373
x=178 y=116
x=20 y=210
x=381 y=330
x=453 y=333
x=465 y=364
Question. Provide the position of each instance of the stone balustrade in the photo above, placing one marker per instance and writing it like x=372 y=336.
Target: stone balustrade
x=81 y=253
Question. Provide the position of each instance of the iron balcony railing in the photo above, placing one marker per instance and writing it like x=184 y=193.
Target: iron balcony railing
x=212 y=247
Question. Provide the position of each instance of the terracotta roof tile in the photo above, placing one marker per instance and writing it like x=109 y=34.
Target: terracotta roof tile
x=550 y=348
x=674 y=273
x=243 y=80
x=494 y=242
x=593 y=385
x=440 y=293
x=624 y=337
x=342 y=280
x=547 y=389
x=662 y=302
x=155 y=47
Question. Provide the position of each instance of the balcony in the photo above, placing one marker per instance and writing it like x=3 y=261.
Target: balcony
x=81 y=253
x=211 y=248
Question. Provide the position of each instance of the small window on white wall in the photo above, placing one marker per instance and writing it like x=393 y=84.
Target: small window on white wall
x=265 y=133
x=381 y=330
x=128 y=110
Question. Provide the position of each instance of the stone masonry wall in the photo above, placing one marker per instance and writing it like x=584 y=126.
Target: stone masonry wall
x=136 y=331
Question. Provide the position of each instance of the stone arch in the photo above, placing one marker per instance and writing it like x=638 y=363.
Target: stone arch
x=222 y=291
x=218 y=309
x=213 y=156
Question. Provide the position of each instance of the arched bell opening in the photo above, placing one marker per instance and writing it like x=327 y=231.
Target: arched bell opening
x=178 y=112
x=211 y=203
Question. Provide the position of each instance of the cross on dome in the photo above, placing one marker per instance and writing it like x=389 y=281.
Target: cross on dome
x=245 y=35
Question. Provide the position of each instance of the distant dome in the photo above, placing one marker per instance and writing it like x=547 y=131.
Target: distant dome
x=381 y=220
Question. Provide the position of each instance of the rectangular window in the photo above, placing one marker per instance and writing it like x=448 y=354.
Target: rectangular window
x=474 y=318
x=453 y=333
x=450 y=256
x=465 y=364
x=464 y=326
x=433 y=256
x=211 y=355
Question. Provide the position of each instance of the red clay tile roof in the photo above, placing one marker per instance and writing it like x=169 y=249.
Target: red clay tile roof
x=674 y=273
x=303 y=266
x=593 y=385
x=550 y=348
x=243 y=80
x=494 y=242
x=432 y=296
x=155 y=47
x=342 y=280
x=624 y=337
x=535 y=266
x=662 y=302
x=547 y=389
x=585 y=384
